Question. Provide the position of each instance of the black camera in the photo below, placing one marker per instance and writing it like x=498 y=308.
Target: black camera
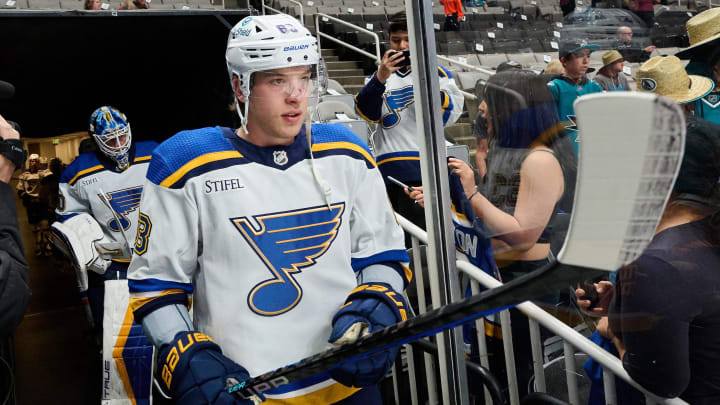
x=405 y=61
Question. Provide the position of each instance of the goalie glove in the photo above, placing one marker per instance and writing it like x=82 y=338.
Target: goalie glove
x=195 y=372
x=369 y=307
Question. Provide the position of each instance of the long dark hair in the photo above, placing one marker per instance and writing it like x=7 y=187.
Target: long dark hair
x=697 y=182
x=522 y=114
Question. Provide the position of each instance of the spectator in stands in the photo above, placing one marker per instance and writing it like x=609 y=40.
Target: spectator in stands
x=695 y=187
x=704 y=54
x=630 y=51
x=92 y=5
x=575 y=58
x=134 y=5
x=530 y=180
x=610 y=77
x=554 y=67
x=643 y=9
x=453 y=14
x=387 y=99
x=567 y=6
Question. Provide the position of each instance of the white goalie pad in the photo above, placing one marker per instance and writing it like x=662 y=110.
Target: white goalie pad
x=127 y=354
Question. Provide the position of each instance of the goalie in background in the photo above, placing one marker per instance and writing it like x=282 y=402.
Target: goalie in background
x=99 y=193
x=280 y=229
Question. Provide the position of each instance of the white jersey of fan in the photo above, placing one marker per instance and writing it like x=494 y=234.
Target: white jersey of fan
x=269 y=259
x=396 y=139
x=87 y=178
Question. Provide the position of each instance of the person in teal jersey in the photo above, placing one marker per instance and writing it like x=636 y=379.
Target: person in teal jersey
x=704 y=54
x=575 y=58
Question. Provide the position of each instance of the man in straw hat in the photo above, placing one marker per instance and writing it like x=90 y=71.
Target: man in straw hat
x=610 y=76
x=704 y=54
x=665 y=76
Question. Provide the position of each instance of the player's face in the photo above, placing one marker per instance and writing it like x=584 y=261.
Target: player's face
x=399 y=40
x=278 y=104
x=34 y=164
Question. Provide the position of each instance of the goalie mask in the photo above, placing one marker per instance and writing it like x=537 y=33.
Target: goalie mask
x=111 y=131
x=267 y=43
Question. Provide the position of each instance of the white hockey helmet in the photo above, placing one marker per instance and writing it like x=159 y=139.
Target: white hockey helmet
x=262 y=43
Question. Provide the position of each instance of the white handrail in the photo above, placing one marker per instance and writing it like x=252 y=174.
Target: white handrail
x=375 y=57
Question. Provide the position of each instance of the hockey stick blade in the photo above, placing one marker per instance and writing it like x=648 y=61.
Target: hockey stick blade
x=626 y=171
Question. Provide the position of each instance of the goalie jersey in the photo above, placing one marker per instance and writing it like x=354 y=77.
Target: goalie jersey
x=88 y=177
x=391 y=106
x=268 y=256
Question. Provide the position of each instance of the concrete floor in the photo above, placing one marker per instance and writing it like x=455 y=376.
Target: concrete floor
x=53 y=354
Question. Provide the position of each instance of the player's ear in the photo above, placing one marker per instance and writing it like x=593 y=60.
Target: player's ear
x=236 y=89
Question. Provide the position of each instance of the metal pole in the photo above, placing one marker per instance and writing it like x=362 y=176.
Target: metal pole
x=420 y=287
x=433 y=164
x=482 y=343
x=609 y=386
x=537 y=355
x=571 y=374
x=509 y=351
x=411 y=374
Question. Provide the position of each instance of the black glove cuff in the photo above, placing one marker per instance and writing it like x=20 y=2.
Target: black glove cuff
x=14 y=151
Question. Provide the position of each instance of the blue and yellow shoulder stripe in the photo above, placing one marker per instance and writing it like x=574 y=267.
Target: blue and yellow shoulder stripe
x=189 y=154
x=336 y=139
x=144 y=150
x=83 y=165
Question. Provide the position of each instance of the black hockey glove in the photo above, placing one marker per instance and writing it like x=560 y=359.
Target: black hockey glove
x=194 y=371
x=369 y=308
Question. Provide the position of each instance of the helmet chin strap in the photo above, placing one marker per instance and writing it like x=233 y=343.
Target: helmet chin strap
x=321 y=182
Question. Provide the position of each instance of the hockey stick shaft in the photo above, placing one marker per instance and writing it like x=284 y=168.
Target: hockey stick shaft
x=432 y=322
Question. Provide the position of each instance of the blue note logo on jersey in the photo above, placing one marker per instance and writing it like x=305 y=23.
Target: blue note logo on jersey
x=287 y=242
x=123 y=202
x=396 y=101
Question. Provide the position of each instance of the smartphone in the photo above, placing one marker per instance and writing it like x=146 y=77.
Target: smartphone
x=590 y=294
x=405 y=61
x=400 y=183
x=461 y=152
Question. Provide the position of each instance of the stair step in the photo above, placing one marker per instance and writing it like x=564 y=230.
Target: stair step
x=342 y=65
x=327 y=52
x=331 y=58
x=356 y=80
x=352 y=88
x=335 y=73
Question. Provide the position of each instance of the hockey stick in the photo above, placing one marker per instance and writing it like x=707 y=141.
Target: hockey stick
x=626 y=171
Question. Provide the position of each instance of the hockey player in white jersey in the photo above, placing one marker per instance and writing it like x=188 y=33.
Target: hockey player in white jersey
x=388 y=100
x=280 y=230
x=99 y=196
x=28 y=189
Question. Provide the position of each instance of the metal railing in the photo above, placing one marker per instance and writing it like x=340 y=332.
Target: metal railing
x=573 y=341
x=319 y=34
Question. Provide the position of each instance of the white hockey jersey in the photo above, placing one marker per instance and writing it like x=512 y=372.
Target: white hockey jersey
x=29 y=182
x=392 y=106
x=268 y=258
x=87 y=177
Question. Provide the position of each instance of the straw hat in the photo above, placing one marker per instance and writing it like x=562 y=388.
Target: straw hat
x=667 y=77
x=702 y=29
x=610 y=57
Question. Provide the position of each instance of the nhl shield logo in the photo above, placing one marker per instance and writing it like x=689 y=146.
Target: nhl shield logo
x=280 y=157
x=648 y=84
x=713 y=98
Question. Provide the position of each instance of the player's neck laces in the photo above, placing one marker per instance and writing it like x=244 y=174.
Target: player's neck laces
x=324 y=185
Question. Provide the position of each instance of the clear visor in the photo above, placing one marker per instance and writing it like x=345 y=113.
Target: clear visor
x=295 y=82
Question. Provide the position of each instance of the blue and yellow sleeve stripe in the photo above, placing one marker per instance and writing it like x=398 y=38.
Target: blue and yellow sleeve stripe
x=147 y=295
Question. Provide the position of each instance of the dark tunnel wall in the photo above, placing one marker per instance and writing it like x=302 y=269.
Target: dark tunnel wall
x=165 y=71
